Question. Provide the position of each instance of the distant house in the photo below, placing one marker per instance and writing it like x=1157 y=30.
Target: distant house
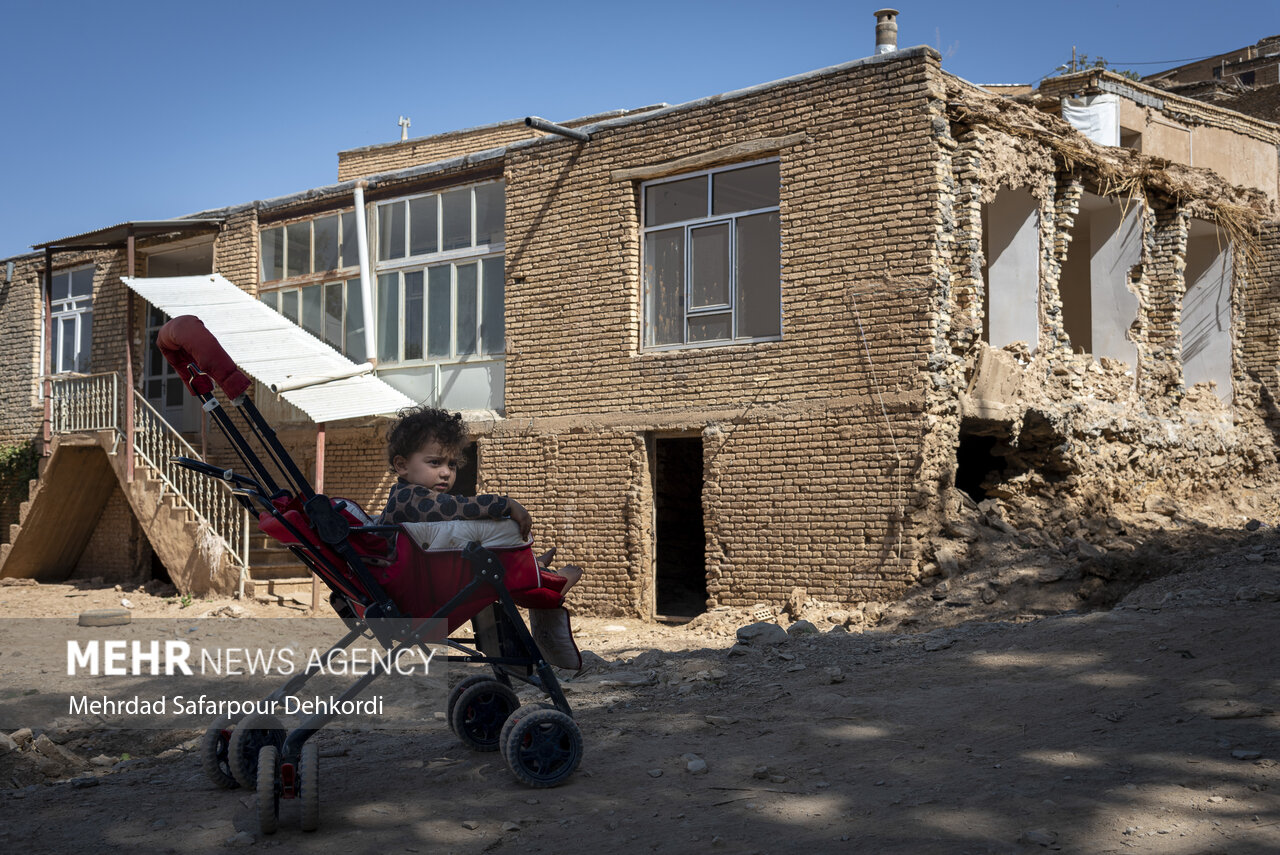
x=720 y=349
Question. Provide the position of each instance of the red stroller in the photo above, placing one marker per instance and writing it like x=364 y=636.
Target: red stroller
x=382 y=586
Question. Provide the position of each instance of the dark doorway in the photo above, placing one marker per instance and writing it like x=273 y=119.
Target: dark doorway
x=975 y=463
x=468 y=472
x=680 y=547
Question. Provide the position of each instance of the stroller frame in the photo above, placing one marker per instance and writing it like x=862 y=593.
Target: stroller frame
x=541 y=743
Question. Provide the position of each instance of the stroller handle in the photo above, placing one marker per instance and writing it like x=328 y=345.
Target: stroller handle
x=186 y=343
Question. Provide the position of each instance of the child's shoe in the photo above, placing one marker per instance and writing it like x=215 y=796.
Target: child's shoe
x=554 y=637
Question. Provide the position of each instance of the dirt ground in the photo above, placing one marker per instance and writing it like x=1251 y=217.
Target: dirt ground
x=1008 y=705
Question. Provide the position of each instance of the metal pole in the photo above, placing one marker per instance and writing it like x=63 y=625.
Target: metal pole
x=315 y=580
x=47 y=428
x=128 y=368
x=541 y=124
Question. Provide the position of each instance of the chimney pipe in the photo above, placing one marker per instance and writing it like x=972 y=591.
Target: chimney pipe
x=886 y=31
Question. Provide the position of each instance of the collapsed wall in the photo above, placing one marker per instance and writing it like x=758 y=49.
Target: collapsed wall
x=1110 y=345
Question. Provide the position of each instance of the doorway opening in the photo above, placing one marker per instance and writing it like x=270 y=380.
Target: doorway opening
x=680 y=569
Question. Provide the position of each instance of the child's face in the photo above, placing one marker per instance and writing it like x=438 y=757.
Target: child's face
x=431 y=466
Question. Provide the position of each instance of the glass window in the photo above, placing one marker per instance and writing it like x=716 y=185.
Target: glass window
x=413 y=310
x=713 y=272
x=675 y=201
x=298 y=249
x=423 y=225
x=272 y=254
x=467 y=309
x=457 y=218
x=326 y=244
x=333 y=315
x=71 y=310
x=439 y=310
x=355 y=344
x=312 y=310
x=388 y=309
x=391 y=231
x=492 y=329
x=350 y=240
x=490 y=214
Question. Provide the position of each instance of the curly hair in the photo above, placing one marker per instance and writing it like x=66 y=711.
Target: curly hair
x=416 y=426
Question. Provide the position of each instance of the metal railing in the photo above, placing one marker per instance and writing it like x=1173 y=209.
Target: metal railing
x=91 y=403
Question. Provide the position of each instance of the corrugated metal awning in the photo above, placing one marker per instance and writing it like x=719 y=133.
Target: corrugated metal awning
x=306 y=372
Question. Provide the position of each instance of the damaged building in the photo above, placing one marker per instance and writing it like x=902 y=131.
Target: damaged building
x=722 y=349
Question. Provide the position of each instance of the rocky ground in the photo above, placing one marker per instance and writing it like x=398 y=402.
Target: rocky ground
x=1088 y=685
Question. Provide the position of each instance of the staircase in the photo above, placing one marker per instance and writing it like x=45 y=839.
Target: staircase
x=201 y=534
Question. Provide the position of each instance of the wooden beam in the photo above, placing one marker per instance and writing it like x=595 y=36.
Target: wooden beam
x=728 y=154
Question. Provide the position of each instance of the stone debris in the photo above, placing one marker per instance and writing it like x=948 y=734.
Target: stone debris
x=470 y=824
x=694 y=764
x=762 y=633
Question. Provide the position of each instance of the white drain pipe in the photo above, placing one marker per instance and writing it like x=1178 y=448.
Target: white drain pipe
x=366 y=277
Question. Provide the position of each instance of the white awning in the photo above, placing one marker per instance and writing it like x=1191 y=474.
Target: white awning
x=277 y=353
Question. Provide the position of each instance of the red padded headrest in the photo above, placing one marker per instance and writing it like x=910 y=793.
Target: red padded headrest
x=183 y=341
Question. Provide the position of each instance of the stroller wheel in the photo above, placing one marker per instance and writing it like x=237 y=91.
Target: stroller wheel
x=268 y=793
x=480 y=712
x=544 y=747
x=213 y=754
x=515 y=717
x=309 y=786
x=456 y=692
x=253 y=732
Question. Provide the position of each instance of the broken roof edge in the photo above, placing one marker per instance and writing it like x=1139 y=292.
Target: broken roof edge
x=623 y=121
x=1268 y=131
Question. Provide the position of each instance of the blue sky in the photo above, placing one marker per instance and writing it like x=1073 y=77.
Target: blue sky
x=146 y=110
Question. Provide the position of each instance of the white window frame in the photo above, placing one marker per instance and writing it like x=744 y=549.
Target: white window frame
x=310 y=272
x=276 y=296
x=688 y=226
x=74 y=309
x=477 y=253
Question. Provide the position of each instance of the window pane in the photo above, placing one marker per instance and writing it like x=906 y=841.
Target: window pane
x=155 y=317
x=312 y=311
x=271 y=298
x=759 y=288
x=466 y=337
x=67 y=358
x=154 y=388
x=413 y=315
x=86 y=339
x=289 y=305
x=155 y=359
x=675 y=201
x=664 y=286
x=350 y=240
x=492 y=320
x=457 y=218
x=354 y=341
x=60 y=288
x=709 y=248
x=173 y=392
x=391 y=230
x=272 y=254
x=333 y=315
x=439 y=311
x=298 y=253
x=388 y=311
x=326 y=244
x=709 y=327
x=82 y=282
x=745 y=189
x=490 y=214
x=422 y=225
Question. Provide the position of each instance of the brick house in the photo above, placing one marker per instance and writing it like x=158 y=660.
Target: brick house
x=761 y=340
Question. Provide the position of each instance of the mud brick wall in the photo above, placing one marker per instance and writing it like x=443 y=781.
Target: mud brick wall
x=20 y=318
x=118 y=551
x=1261 y=338
x=235 y=251
x=860 y=226
x=388 y=157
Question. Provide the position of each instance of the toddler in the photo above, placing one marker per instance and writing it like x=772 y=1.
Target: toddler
x=424 y=448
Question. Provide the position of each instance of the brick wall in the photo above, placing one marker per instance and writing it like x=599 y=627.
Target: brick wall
x=1261 y=339
x=374 y=159
x=118 y=551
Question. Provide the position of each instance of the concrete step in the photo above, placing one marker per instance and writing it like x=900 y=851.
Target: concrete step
x=283 y=570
